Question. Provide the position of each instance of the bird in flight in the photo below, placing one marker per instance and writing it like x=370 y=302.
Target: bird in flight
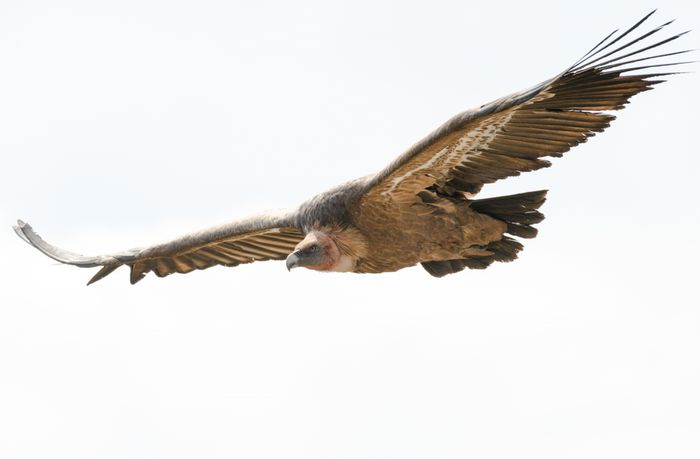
x=421 y=207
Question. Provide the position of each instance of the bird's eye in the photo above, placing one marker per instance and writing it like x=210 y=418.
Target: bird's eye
x=313 y=249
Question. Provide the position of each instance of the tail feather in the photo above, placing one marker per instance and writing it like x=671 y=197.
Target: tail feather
x=518 y=211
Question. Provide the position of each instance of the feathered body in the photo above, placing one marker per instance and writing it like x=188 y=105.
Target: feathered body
x=436 y=227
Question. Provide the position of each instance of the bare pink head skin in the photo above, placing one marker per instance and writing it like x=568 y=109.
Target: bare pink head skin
x=319 y=251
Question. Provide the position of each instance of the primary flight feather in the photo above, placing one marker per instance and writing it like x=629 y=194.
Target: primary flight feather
x=421 y=207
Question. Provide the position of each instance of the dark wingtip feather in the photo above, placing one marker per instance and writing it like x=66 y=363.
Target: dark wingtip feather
x=595 y=48
x=590 y=55
x=138 y=272
x=106 y=270
x=590 y=59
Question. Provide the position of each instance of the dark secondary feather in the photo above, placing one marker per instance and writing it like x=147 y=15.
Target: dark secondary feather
x=513 y=134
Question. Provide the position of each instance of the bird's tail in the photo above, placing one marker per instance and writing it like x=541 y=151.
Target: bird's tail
x=518 y=211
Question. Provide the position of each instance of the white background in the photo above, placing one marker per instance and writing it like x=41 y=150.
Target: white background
x=126 y=123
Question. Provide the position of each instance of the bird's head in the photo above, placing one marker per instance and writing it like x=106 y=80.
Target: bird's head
x=317 y=251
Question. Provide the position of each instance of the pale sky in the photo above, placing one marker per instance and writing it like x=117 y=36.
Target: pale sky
x=128 y=123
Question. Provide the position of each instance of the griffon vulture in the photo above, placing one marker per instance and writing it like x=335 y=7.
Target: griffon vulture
x=420 y=208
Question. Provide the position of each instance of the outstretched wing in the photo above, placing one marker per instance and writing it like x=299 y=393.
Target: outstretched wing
x=263 y=237
x=512 y=134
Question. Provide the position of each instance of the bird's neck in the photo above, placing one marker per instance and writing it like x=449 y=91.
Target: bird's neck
x=351 y=245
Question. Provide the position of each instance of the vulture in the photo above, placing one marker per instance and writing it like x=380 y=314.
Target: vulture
x=421 y=208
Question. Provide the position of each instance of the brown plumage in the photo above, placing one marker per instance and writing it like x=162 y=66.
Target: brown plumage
x=420 y=209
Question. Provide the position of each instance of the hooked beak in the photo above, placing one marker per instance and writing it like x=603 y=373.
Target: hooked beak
x=293 y=260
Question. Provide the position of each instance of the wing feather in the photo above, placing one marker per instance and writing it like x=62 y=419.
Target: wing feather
x=512 y=134
x=263 y=237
